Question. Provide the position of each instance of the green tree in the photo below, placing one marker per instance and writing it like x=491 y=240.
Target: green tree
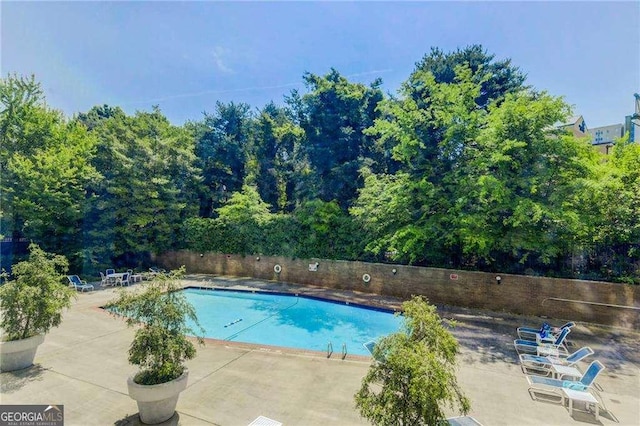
x=525 y=185
x=612 y=205
x=385 y=205
x=97 y=114
x=334 y=115
x=46 y=167
x=223 y=141
x=275 y=140
x=149 y=189
x=241 y=221
x=22 y=102
x=245 y=206
x=431 y=138
x=413 y=380
x=496 y=78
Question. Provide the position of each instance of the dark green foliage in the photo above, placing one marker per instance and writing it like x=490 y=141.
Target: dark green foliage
x=222 y=147
x=96 y=115
x=496 y=78
x=276 y=139
x=149 y=188
x=334 y=116
x=160 y=345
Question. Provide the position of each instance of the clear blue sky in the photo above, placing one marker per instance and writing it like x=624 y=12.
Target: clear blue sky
x=184 y=56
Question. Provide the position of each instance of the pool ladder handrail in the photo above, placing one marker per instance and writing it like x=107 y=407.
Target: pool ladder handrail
x=330 y=350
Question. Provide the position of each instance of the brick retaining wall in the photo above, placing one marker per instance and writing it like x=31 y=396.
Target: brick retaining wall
x=589 y=301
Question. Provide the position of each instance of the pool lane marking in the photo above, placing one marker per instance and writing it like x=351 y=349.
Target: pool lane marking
x=233 y=322
x=236 y=334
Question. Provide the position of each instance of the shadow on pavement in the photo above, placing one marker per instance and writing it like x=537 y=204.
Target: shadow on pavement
x=15 y=380
x=134 y=420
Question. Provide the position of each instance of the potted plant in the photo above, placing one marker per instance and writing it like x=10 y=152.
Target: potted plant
x=160 y=345
x=31 y=303
x=413 y=379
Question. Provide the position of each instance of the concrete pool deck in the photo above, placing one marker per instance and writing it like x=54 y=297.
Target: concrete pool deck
x=83 y=365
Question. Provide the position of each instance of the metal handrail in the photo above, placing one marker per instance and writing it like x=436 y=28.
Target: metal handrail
x=329 y=350
x=635 y=308
x=344 y=350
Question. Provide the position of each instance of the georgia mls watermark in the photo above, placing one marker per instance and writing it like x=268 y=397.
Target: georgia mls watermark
x=31 y=415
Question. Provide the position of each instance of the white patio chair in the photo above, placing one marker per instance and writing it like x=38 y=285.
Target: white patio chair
x=104 y=280
x=124 y=280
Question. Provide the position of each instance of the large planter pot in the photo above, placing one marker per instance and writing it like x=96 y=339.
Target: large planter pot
x=157 y=403
x=19 y=354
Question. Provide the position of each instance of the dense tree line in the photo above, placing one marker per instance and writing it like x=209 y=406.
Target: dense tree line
x=463 y=168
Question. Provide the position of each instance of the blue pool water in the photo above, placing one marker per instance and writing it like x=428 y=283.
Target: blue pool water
x=289 y=321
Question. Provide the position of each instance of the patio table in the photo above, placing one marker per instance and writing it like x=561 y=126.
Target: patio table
x=561 y=371
x=575 y=395
x=115 y=276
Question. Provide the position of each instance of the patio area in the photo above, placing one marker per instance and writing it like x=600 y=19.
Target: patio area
x=83 y=365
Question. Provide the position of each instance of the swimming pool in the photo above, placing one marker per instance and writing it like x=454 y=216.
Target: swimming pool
x=290 y=321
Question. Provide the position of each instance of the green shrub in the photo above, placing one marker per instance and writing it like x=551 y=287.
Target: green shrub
x=32 y=302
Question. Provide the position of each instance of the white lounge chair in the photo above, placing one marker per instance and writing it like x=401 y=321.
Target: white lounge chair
x=554 y=347
x=535 y=364
x=532 y=333
x=78 y=284
x=552 y=388
x=264 y=421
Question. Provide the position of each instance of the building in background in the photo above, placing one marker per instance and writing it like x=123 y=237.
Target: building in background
x=575 y=125
x=632 y=122
x=604 y=137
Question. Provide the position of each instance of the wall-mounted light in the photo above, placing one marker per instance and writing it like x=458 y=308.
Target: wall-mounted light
x=394 y=271
x=201 y=254
x=498 y=279
x=258 y=258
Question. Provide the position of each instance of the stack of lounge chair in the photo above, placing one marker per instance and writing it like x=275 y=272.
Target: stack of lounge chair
x=553 y=372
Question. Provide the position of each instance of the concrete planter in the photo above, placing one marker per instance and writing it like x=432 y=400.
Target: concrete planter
x=19 y=354
x=157 y=403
